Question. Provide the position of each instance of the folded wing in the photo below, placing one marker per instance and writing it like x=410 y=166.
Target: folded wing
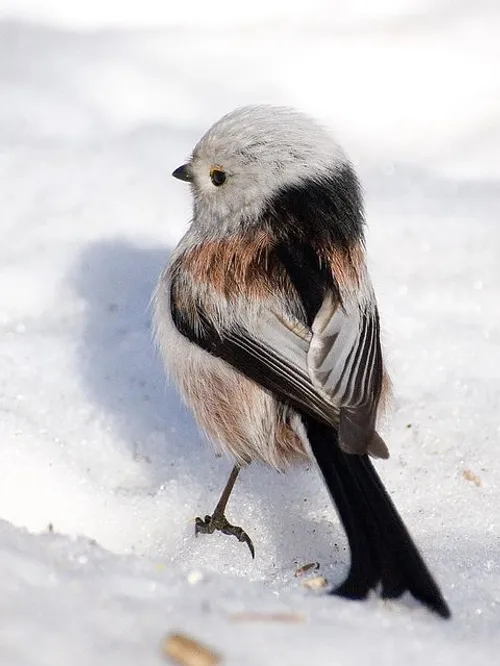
x=332 y=371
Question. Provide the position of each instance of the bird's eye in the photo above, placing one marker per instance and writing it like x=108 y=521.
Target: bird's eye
x=217 y=176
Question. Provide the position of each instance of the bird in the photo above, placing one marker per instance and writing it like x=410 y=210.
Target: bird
x=266 y=319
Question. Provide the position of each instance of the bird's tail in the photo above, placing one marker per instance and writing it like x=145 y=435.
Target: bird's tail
x=382 y=551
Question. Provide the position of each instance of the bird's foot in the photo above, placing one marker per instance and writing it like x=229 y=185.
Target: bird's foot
x=218 y=522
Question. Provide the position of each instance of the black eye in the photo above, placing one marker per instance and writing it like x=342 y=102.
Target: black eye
x=217 y=176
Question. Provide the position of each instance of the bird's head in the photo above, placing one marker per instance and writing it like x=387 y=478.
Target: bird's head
x=252 y=157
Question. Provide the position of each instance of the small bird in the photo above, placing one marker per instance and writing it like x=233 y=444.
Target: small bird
x=266 y=318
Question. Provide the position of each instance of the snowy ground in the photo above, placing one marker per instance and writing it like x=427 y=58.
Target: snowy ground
x=98 y=103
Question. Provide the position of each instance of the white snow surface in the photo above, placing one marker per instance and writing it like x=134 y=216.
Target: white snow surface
x=99 y=102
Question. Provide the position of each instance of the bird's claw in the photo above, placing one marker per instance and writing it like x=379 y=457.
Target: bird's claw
x=219 y=523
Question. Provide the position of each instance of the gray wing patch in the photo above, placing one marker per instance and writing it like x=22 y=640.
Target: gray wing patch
x=345 y=366
x=283 y=345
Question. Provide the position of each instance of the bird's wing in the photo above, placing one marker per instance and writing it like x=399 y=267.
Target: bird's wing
x=345 y=366
x=332 y=371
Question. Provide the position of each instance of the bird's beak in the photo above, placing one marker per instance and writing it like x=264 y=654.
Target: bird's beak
x=183 y=173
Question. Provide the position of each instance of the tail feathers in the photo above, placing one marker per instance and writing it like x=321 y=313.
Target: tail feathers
x=382 y=551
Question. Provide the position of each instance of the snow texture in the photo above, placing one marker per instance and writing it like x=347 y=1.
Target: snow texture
x=102 y=469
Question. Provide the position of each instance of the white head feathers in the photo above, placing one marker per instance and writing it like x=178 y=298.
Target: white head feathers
x=261 y=149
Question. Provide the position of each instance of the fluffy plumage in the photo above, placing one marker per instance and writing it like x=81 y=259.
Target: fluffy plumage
x=267 y=320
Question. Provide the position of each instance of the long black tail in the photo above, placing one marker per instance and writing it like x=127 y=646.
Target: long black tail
x=382 y=551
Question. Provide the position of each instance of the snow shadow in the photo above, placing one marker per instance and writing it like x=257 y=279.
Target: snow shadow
x=118 y=362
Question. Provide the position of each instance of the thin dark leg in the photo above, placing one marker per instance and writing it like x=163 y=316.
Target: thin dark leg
x=218 y=521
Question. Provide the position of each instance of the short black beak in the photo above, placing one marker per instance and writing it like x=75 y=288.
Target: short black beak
x=183 y=173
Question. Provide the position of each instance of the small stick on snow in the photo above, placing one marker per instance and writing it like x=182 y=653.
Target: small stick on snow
x=306 y=567
x=266 y=617
x=186 y=651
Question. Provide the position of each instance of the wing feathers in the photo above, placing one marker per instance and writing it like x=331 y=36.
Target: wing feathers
x=345 y=365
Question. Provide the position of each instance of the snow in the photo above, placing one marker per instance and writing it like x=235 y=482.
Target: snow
x=98 y=103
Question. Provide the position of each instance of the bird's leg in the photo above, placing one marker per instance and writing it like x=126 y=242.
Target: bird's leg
x=218 y=521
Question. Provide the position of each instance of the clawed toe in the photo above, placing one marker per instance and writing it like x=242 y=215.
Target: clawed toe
x=220 y=523
x=203 y=526
x=241 y=535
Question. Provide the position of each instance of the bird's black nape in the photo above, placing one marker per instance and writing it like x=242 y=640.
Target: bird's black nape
x=382 y=551
x=327 y=207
